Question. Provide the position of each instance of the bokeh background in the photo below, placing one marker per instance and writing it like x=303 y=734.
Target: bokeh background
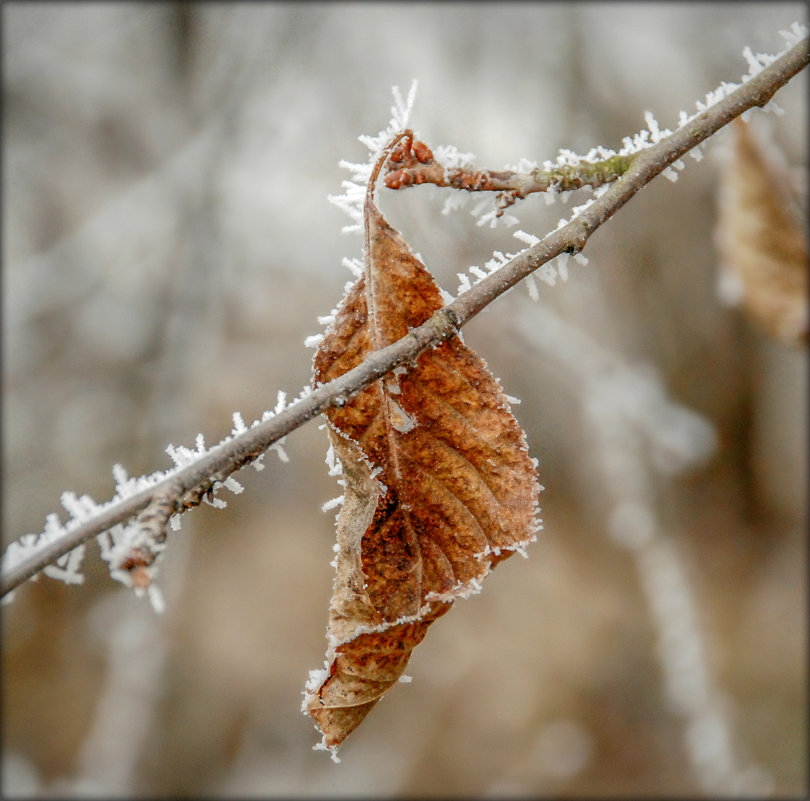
x=168 y=246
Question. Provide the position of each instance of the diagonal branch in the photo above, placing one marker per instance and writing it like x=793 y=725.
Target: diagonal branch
x=188 y=485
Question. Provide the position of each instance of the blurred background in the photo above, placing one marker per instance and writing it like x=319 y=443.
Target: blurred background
x=168 y=246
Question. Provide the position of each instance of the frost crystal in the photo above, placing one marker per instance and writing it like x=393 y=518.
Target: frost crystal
x=449 y=156
x=278 y=447
x=211 y=499
x=401 y=112
x=239 y=426
x=447 y=298
x=332 y=503
x=156 y=598
x=531 y=286
x=67 y=567
x=353 y=197
x=655 y=132
x=562 y=266
x=81 y=509
x=354 y=265
x=333 y=462
x=529 y=239
x=457 y=199
x=121 y=478
x=547 y=273
x=464 y=284
x=332 y=749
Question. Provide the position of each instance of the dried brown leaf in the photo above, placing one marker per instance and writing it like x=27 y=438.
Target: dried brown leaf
x=439 y=486
x=762 y=239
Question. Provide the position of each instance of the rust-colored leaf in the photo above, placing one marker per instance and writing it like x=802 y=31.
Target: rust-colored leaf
x=762 y=237
x=439 y=486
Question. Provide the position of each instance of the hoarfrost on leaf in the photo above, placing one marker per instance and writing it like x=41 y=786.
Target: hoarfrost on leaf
x=333 y=462
x=381 y=603
x=333 y=503
x=355 y=266
x=332 y=749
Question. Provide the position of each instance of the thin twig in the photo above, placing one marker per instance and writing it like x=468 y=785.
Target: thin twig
x=195 y=480
x=422 y=168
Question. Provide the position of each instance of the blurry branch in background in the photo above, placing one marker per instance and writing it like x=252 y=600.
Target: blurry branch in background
x=640 y=440
x=132 y=526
